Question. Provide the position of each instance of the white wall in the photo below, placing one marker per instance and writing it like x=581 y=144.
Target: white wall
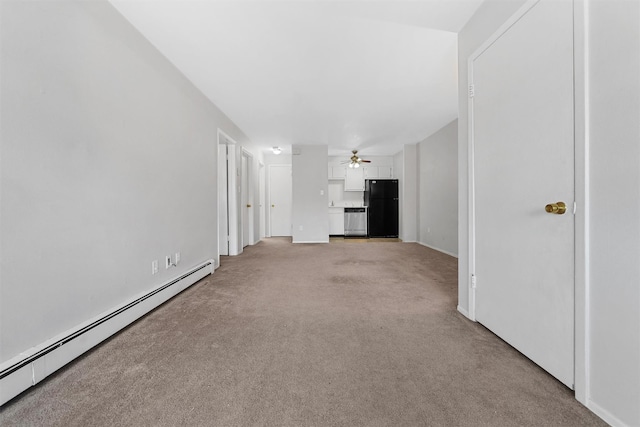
x=108 y=161
x=439 y=190
x=310 y=194
x=608 y=189
x=614 y=209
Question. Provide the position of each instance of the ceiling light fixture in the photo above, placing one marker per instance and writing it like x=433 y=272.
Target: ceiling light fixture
x=276 y=150
x=354 y=161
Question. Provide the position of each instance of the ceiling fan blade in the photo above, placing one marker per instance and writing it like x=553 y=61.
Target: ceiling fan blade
x=365 y=161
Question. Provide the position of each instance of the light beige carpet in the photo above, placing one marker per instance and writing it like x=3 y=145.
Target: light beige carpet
x=306 y=335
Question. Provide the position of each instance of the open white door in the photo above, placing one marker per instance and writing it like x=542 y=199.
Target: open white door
x=223 y=202
x=228 y=197
x=522 y=153
x=261 y=195
x=247 y=196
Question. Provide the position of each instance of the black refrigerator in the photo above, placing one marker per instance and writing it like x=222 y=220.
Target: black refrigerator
x=381 y=200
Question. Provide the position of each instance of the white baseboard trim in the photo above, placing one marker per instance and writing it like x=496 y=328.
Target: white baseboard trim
x=32 y=366
x=464 y=312
x=607 y=416
x=438 y=249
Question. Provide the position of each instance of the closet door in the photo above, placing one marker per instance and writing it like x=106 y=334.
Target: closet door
x=523 y=160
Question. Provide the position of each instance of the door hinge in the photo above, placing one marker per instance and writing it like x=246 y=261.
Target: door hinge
x=471 y=91
x=473 y=281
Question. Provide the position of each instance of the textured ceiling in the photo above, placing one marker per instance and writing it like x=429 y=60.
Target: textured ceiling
x=366 y=75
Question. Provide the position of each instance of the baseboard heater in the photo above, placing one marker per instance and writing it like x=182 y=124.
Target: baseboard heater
x=43 y=360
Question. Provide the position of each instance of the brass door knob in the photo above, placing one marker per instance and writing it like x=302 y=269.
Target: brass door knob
x=556 y=208
x=273 y=206
x=248 y=206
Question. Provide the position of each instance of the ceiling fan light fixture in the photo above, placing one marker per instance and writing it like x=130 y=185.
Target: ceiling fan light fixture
x=276 y=150
x=354 y=161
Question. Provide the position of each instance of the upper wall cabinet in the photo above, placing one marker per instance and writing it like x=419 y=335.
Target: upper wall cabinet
x=385 y=172
x=370 y=172
x=379 y=172
x=354 y=180
x=337 y=172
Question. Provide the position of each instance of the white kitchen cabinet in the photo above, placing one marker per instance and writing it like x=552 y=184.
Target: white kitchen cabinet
x=377 y=172
x=370 y=172
x=354 y=181
x=337 y=172
x=336 y=221
x=385 y=172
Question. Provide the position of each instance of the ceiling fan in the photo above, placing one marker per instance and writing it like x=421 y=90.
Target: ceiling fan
x=354 y=161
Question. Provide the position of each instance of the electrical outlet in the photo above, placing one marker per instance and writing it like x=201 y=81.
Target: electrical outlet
x=154 y=266
x=301 y=228
x=177 y=258
x=167 y=262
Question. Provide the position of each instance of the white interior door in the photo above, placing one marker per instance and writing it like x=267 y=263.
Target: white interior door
x=223 y=204
x=261 y=195
x=229 y=219
x=523 y=159
x=246 y=203
x=280 y=197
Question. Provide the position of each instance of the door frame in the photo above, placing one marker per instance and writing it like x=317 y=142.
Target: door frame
x=581 y=162
x=232 y=195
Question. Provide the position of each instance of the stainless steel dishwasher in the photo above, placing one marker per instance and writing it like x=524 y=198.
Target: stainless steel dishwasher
x=355 y=222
